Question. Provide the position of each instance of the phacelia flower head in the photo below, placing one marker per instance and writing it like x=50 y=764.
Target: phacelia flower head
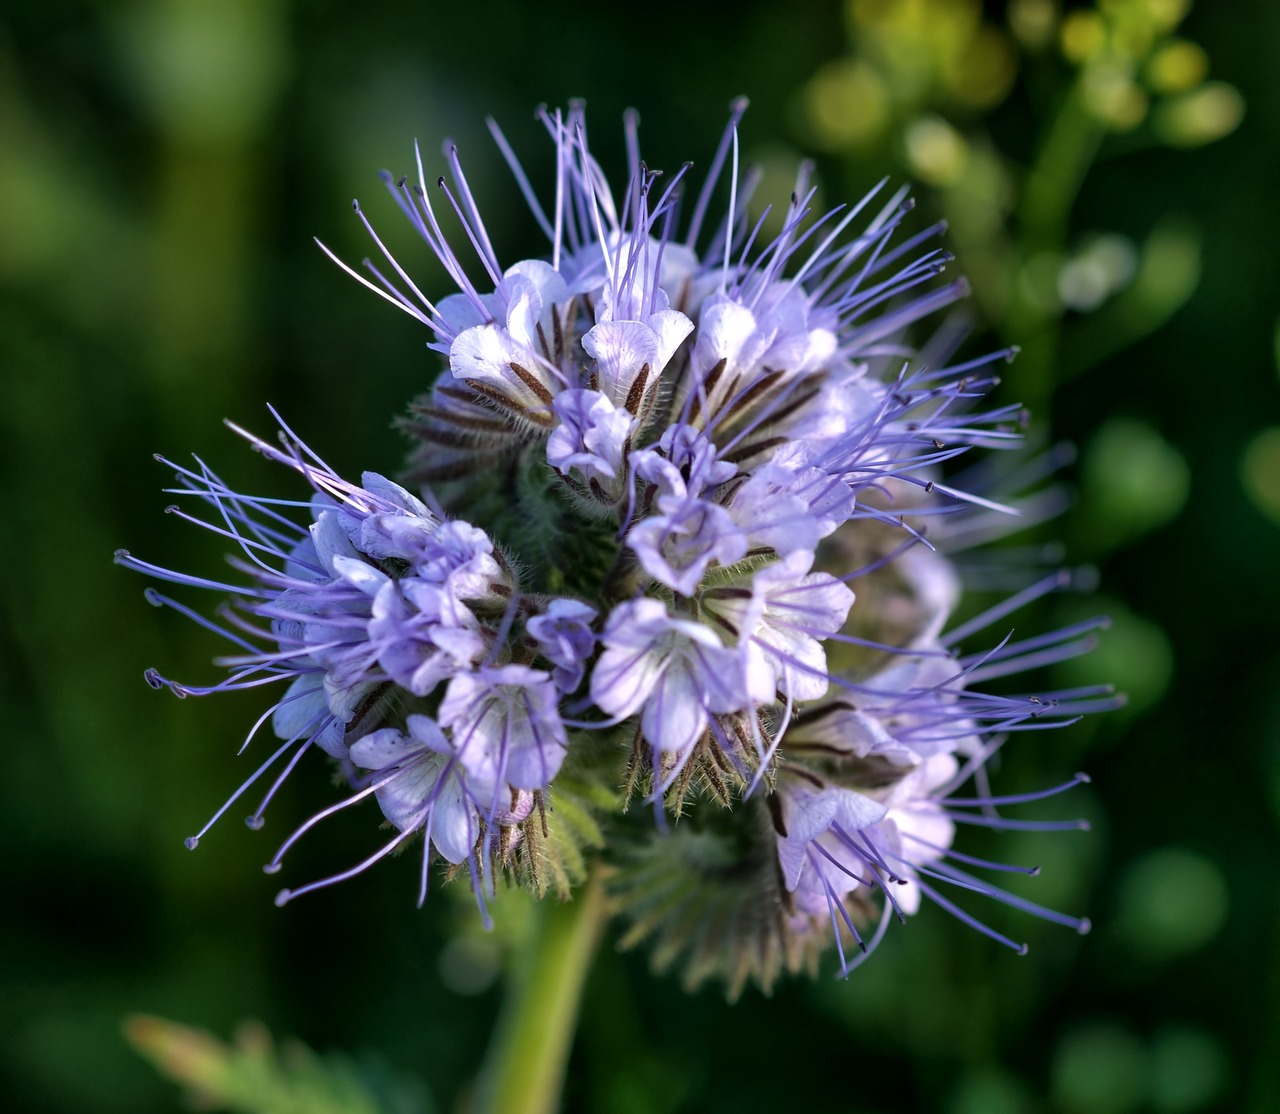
x=667 y=525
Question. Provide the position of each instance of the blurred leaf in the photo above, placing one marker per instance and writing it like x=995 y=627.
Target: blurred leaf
x=1260 y=472
x=935 y=152
x=252 y=1077
x=990 y=1091
x=1168 y=274
x=1134 y=654
x=1177 y=67
x=1169 y=270
x=1133 y=480
x=1033 y=22
x=1172 y=901
x=1099 y=1069
x=207 y=69
x=470 y=962
x=1082 y=35
x=1104 y=265
x=846 y=104
x=1201 y=116
x=1189 y=1070
x=1108 y=91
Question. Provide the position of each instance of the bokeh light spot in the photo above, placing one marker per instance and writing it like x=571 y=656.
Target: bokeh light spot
x=990 y=1091
x=1172 y=901
x=1188 y=1070
x=1134 y=481
x=846 y=104
x=936 y=152
x=1177 y=67
x=1099 y=1069
x=1260 y=472
x=1201 y=116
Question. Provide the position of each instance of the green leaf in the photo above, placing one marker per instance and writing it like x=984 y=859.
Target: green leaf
x=1260 y=471
x=253 y=1076
x=559 y=835
x=708 y=898
x=1134 y=481
x=1168 y=274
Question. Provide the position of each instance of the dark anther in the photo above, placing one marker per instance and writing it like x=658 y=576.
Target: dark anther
x=775 y=813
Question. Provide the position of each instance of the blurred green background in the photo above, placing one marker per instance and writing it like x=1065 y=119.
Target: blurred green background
x=163 y=167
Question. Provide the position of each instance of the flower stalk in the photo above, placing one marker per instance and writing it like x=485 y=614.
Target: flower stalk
x=526 y=1066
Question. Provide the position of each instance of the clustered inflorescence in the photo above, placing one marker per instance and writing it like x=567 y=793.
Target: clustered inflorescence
x=681 y=535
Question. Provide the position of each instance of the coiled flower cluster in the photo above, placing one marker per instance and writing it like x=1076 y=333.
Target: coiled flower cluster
x=675 y=529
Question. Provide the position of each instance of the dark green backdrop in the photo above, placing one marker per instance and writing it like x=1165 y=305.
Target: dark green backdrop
x=162 y=171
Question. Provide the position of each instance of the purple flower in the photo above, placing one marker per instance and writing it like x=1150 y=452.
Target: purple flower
x=421 y=786
x=311 y=586
x=321 y=614
x=678 y=546
x=507 y=728
x=698 y=441
x=510 y=362
x=781 y=621
x=424 y=634
x=788 y=506
x=591 y=439
x=817 y=847
x=683 y=464
x=836 y=844
x=635 y=336
x=463 y=560
x=673 y=671
x=564 y=637
x=692 y=531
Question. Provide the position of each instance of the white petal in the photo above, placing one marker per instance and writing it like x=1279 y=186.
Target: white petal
x=383 y=488
x=380 y=749
x=624 y=677
x=301 y=710
x=360 y=574
x=331 y=539
x=855 y=812
x=807 y=813
x=621 y=349
x=485 y=352
x=724 y=329
x=455 y=824
x=670 y=327
x=674 y=716
x=792 y=858
x=404 y=798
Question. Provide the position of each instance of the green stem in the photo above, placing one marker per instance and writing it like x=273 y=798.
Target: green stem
x=1059 y=170
x=527 y=1060
x=1043 y=214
